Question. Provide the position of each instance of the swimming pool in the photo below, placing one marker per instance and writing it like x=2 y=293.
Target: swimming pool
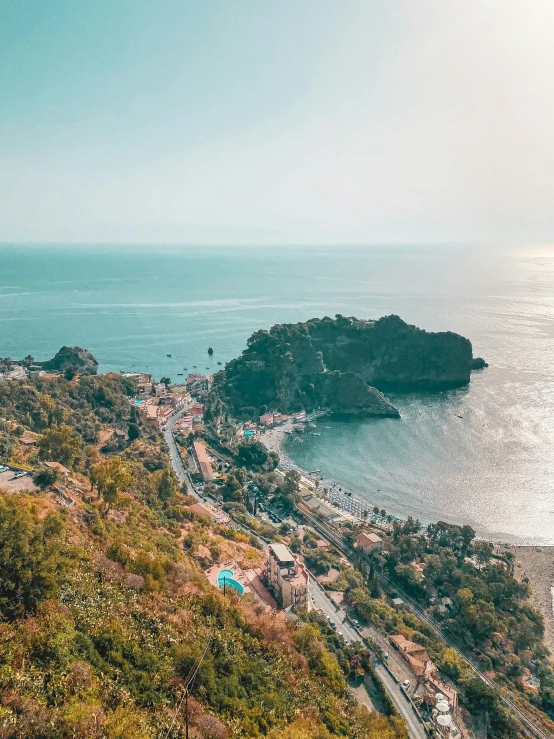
x=226 y=576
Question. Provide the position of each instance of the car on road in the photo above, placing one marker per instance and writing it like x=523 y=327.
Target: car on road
x=405 y=685
x=19 y=474
x=3 y=468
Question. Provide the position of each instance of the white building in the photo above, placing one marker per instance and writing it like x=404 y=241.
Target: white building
x=287 y=577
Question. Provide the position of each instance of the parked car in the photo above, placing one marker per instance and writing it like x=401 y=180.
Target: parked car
x=405 y=685
x=19 y=474
x=3 y=468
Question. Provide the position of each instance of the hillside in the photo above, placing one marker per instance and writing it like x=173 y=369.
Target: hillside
x=106 y=612
x=342 y=364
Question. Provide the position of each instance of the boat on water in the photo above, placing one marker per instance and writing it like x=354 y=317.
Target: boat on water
x=299 y=441
x=185 y=368
x=169 y=355
x=194 y=366
x=288 y=431
x=219 y=362
x=180 y=374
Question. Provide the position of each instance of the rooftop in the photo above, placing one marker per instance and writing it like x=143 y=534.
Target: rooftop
x=282 y=552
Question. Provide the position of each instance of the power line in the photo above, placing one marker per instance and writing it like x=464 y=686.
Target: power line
x=193 y=672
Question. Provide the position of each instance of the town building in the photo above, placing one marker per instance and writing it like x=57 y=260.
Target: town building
x=423 y=667
x=59 y=467
x=197 y=411
x=287 y=577
x=174 y=400
x=183 y=425
x=211 y=512
x=199 y=384
x=266 y=419
x=203 y=461
x=369 y=542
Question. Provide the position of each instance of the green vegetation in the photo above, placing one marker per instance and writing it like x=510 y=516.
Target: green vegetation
x=338 y=363
x=104 y=606
x=486 y=610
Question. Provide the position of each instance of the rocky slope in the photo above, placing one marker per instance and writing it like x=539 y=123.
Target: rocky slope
x=72 y=356
x=341 y=364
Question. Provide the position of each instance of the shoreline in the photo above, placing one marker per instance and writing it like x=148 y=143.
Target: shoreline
x=534 y=562
x=337 y=495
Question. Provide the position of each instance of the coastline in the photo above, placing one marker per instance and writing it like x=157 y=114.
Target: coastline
x=536 y=565
x=337 y=495
x=532 y=562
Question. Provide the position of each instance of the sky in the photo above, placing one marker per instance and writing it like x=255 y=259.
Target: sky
x=257 y=122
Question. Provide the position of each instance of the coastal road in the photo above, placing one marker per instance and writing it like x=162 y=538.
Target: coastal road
x=175 y=457
x=338 y=615
x=527 y=720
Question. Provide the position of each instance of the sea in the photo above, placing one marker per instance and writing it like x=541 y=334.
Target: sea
x=481 y=455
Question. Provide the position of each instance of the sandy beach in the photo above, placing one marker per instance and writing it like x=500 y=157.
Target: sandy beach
x=535 y=563
x=538 y=567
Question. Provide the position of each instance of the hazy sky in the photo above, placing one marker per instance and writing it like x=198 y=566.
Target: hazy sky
x=276 y=120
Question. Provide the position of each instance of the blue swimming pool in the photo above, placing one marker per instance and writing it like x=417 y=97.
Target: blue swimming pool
x=226 y=576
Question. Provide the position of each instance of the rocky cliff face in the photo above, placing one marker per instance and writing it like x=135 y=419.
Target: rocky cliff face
x=72 y=356
x=341 y=364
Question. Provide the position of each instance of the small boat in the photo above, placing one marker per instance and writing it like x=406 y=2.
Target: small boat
x=300 y=441
x=194 y=366
x=170 y=355
x=185 y=368
x=219 y=362
x=180 y=374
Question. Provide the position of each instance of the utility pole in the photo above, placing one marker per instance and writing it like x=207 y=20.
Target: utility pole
x=187 y=712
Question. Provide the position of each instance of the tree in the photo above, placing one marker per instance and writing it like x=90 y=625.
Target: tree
x=70 y=373
x=30 y=565
x=482 y=551
x=111 y=477
x=166 y=484
x=165 y=381
x=61 y=444
x=45 y=478
x=255 y=456
x=134 y=431
x=290 y=488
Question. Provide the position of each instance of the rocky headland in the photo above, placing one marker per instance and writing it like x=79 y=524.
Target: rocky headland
x=343 y=364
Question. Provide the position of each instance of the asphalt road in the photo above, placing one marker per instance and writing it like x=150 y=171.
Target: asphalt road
x=401 y=703
x=176 y=462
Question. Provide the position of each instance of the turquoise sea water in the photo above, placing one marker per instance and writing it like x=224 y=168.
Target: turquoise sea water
x=493 y=467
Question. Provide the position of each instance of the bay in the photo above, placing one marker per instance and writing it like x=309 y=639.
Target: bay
x=482 y=455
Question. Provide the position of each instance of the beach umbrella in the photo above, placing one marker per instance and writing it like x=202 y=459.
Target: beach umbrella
x=439 y=697
x=444 y=721
x=443 y=706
